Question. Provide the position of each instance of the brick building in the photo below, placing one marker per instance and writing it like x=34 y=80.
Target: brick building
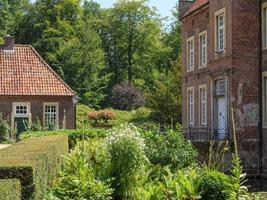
x=30 y=90
x=225 y=75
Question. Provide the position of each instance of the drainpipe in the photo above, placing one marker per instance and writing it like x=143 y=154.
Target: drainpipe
x=260 y=91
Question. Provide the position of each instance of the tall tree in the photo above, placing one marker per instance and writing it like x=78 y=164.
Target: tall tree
x=11 y=12
x=50 y=24
x=129 y=31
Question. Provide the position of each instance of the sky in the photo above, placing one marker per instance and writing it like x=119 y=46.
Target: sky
x=163 y=6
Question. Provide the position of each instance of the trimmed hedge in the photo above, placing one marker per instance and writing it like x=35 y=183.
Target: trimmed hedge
x=10 y=189
x=35 y=162
x=73 y=135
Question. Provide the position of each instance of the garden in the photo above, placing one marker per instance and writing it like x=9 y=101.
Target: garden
x=119 y=155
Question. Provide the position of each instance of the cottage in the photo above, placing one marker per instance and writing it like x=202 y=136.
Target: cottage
x=225 y=75
x=30 y=90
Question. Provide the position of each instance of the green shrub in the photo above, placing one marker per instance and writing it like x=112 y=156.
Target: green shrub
x=35 y=162
x=213 y=185
x=237 y=188
x=10 y=189
x=85 y=173
x=162 y=183
x=4 y=129
x=169 y=149
x=128 y=160
x=82 y=120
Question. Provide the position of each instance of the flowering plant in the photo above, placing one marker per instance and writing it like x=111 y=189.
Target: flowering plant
x=104 y=115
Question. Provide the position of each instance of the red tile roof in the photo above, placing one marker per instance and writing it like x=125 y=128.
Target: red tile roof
x=195 y=6
x=24 y=72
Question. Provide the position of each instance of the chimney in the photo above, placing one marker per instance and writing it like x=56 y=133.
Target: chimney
x=184 y=6
x=8 y=43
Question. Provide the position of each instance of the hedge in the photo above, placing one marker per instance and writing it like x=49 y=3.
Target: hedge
x=35 y=162
x=73 y=135
x=10 y=189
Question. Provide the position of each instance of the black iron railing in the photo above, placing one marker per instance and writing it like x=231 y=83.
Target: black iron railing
x=206 y=134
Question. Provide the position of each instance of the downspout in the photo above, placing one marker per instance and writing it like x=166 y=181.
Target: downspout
x=260 y=91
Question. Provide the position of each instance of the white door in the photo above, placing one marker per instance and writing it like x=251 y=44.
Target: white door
x=221 y=103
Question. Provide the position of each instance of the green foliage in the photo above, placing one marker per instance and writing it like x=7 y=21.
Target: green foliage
x=4 y=129
x=214 y=185
x=35 y=126
x=82 y=120
x=85 y=173
x=169 y=149
x=237 y=188
x=165 y=98
x=35 y=162
x=128 y=160
x=163 y=184
x=10 y=189
x=11 y=13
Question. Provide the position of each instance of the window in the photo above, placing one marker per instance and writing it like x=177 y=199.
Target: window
x=264 y=25
x=220 y=30
x=190 y=54
x=190 y=101
x=220 y=87
x=50 y=114
x=21 y=108
x=203 y=104
x=203 y=49
x=264 y=99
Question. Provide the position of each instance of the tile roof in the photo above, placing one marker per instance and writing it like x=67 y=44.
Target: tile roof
x=24 y=72
x=195 y=6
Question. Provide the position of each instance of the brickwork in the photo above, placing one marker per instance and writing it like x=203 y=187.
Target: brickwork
x=239 y=65
x=36 y=107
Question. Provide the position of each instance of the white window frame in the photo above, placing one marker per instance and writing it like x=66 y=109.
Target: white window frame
x=190 y=119
x=264 y=26
x=219 y=13
x=14 y=108
x=190 y=53
x=201 y=47
x=201 y=102
x=264 y=99
x=56 y=104
x=15 y=115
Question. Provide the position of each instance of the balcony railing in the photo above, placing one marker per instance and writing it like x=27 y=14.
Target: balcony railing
x=206 y=134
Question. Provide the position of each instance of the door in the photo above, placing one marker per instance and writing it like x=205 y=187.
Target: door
x=21 y=124
x=221 y=117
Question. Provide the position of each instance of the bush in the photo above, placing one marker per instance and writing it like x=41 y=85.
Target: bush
x=128 y=160
x=163 y=184
x=35 y=162
x=4 y=129
x=213 y=185
x=104 y=116
x=169 y=149
x=165 y=98
x=126 y=97
x=10 y=189
x=85 y=173
x=82 y=120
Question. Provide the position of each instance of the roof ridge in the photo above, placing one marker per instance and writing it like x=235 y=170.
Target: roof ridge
x=48 y=66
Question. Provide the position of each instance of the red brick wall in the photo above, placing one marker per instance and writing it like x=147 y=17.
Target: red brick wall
x=65 y=103
x=239 y=64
